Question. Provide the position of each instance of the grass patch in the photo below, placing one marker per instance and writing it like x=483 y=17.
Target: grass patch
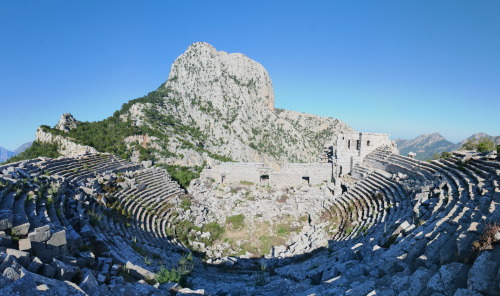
x=185 y=203
x=95 y=217
x=243 y=182
x=283 y=229
x=236 y=221
x=216 y=231
x=266 y=242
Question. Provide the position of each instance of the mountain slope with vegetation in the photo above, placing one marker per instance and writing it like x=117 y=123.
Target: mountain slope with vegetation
x=214 y=106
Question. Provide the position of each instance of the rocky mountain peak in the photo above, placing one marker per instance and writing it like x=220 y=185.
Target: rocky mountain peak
x=66 y=123
x=430 y=137
x=226 y=81
x=478 y=136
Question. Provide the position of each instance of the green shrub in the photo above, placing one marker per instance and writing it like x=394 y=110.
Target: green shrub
x=216 y=231
x=165 y=275
x=236 y=221
x=482 y=145
x=179 y=274
x=183 y=174
x=443 y=155
x=284 y=229
x=95 y=218
x=485 y=145
x=469 y=145
x=185 y=203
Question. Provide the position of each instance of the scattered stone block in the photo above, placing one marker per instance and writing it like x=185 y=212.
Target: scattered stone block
x=140 y=186
x=35 y=265
x=64 y=271
x=41 y=234
x=8 y=261
x=139 y=272
x=23 y=286
x=101 y=278
x=25 y=244
x=482 y=275
x=57 y=239
x=11 y=274
x=48 y=271
x=448 y=279
x=22 y=257
x=88 y=280
x=88 y=259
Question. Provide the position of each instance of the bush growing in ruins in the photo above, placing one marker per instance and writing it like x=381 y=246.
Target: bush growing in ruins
x=443 y=155
x=487 y=237
x=179 y=274
x=165 y=275
x=95 y=217
x=183 y=174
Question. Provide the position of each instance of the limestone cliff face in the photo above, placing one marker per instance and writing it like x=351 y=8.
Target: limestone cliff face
x=230 y=99
x=66 y=146
x=231 y=82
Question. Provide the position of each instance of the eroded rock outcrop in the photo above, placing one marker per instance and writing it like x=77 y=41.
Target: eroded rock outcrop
x=65 y=146
x=66 y=123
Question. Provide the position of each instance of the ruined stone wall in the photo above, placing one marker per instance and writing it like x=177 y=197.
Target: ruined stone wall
x=301 y=174
x=291 y=175
x=232 y=173
x=352 y=148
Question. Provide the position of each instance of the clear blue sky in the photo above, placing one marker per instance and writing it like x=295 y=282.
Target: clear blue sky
x=400 y=67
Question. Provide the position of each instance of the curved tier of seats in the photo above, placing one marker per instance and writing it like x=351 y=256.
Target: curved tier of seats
x=50 y=224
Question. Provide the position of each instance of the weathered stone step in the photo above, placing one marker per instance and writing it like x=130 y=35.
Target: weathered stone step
x=6 y=214
x=21 y=223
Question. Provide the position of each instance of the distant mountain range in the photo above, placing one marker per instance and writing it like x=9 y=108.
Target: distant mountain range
x=425 y=146
x=6 y=154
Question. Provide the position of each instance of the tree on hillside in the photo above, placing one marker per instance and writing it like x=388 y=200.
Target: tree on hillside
x=37 y=149
x=483 y=145
x=469 y=145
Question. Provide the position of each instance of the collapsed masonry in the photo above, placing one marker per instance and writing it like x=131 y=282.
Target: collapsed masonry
x=338 y=161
